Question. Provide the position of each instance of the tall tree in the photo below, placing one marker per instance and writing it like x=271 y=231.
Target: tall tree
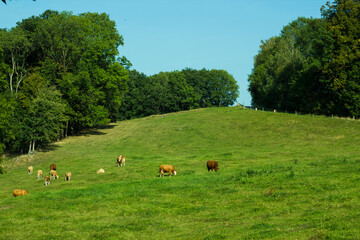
x=342 y=68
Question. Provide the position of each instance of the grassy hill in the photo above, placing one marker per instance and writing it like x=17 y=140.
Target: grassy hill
x=280 y=176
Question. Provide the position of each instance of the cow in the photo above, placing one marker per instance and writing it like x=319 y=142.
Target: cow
x=19 y=192
x=120 y=160
x=167 y=168
x=53 y=174
x=30 y=169
x=100 y=171
x=212 y=165
x=47 y=180
x=67 y=176
x=52 y=167
x=39 y=174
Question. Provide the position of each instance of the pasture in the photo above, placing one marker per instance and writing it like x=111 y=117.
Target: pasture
x=280 y=176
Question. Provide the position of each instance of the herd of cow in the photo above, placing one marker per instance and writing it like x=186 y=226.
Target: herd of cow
x=120 y=162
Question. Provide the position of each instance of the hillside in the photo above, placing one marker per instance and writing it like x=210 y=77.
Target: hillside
x=281 y=176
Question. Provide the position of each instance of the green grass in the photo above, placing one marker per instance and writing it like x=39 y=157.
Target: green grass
x=281 y=176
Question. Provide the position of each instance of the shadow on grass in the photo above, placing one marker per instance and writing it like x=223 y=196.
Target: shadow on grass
x=95 y=131
x=49 y=147
x=86 y=132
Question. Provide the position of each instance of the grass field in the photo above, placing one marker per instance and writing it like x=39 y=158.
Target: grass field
x=281 y=176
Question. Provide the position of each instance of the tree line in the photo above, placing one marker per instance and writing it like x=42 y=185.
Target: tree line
x=61 y=73
x=176 y=91
x=313 y=65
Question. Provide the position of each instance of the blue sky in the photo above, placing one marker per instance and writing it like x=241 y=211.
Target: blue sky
x=168 y=35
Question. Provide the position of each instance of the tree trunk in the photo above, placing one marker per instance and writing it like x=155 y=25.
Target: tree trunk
x=30 y=147
x=33 y=147
x=66 y=129
x=11 y=74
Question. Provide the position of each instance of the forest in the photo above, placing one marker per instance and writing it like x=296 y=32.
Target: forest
x=61 y=73
x=313 y=65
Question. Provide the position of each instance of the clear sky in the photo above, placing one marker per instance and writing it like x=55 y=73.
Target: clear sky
x=168 y=35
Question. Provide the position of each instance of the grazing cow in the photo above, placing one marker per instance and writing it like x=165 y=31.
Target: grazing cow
x=47 y=180
x=167 y=168
x=19 y=192
x=212 y=165
x=52 y=167
x=53 y=174
x=67 y=176
x=30 y=169
x=39 y=174
x=120 y=161
x=100 y=171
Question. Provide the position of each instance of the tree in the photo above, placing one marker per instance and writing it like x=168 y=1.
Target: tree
x=287 y=72
x=212 y=87
x=79 y=55
x=223 y=87
x=41 y=117
x=17 y=48
x=342 y=67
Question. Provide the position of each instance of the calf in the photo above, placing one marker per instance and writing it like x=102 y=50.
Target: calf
x=53 y=174
x=19 y=192
x=100 y=171
x=30 y=169
x=167 y=168
x=120 y=160
x=47 y=180
x=52 y=167
x=67 y=176
x=212 y=165
x=39 y=174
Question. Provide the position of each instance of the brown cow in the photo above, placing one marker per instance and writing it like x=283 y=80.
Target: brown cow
x=19 y=192
x=167 y=168
x=67 y=176
x=53 y=174
x=30 y=169
x=120 y=160
x=212 y=165
x=39 y=174
x=47 y=180
x=52 y=167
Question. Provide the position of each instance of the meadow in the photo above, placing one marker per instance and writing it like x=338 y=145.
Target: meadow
x=281 y=176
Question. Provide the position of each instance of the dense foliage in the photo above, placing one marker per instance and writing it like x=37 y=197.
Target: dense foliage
x=175 y=91
x=313 y=65
x=59 y=73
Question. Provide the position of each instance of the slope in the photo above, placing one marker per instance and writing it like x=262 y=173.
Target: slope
x=280 y=176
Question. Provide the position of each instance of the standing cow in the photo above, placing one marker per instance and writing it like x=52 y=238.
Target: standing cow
x=212 y=165
x=120 y=160
x=52 y=167
x=67 y=176
x=47 y=180
x=39 y=174
x=167 y=168
x=53 y=174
